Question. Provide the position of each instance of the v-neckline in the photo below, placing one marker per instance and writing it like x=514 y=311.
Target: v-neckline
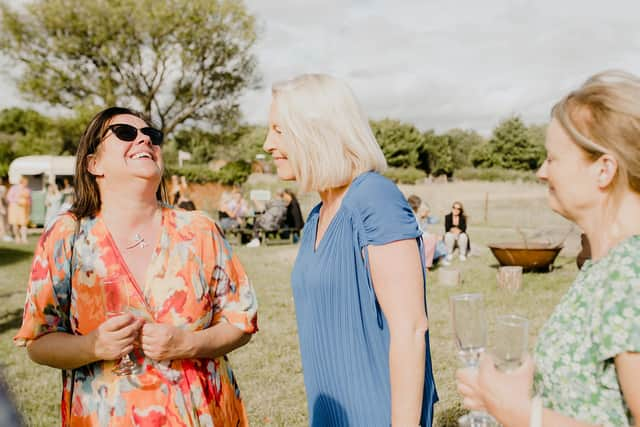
x=125 y=267
x=317 y=244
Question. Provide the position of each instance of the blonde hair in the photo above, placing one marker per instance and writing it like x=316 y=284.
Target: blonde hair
x=326 y=134
x=603 y=117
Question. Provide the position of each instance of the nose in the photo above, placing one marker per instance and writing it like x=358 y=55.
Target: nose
x=143 y=139
x=268 y=145
x=541 y=174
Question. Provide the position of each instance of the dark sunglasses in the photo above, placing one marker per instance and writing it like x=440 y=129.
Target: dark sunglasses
x=129 y=133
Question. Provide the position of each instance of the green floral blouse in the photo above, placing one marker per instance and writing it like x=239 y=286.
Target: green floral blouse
x=597 y=319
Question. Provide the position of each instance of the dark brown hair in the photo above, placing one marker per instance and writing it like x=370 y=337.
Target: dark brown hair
x=414 y=201
x=87 y=200
x=461 y=209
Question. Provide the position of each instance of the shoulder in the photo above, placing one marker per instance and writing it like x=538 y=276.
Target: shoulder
x=184 y=220
x=371 y=188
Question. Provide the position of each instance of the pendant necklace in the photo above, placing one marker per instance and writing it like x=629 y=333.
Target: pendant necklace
x=137 y=242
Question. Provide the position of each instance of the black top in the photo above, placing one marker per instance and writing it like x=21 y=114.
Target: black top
x=294 y=218
x=448 y=223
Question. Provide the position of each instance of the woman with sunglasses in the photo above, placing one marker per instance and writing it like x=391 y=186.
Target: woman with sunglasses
x=455 y=232
x=186 y=299
x=587 y=355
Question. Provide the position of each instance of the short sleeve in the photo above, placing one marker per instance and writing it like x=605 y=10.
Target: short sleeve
x=619 y=326
x=235 y=300
x=48 y=293
x=383 y=210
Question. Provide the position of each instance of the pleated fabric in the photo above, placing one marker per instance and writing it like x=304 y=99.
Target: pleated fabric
x=344 y=336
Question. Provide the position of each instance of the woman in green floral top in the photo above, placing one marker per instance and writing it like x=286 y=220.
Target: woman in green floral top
x=587 y=357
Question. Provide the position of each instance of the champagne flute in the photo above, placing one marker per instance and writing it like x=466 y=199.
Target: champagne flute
x=116 y=302
x=470 y=333
x=469 y=327
x=512 y=333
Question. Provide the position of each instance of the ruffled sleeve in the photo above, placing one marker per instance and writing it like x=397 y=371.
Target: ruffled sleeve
x=383 y=211
x=233 y=295
x=49 y=292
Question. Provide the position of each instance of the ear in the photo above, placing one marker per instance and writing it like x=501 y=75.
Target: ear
x=607 y=169
x=93 y=165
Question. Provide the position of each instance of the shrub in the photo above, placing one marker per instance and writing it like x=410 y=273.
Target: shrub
x=405 y=175
x=494 y=174
x=233 y=173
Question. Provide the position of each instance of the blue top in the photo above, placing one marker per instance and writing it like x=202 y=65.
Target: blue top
x=344 y=336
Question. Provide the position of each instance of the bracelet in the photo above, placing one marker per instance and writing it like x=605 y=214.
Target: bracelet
x=535 y=419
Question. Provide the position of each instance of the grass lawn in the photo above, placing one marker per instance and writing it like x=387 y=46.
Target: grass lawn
x=268 y=368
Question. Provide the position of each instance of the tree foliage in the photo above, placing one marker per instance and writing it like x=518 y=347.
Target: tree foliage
x=400 y=142
x=176 y=60
x=510 y=147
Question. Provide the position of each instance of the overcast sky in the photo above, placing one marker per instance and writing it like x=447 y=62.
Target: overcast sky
x=441 y=64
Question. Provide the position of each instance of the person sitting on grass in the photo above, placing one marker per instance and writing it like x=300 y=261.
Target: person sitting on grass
x=434 y=248
x=271 y=220
x=455 y=232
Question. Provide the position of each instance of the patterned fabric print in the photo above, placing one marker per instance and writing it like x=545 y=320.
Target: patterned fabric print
x=597 y=319
x=193 y=282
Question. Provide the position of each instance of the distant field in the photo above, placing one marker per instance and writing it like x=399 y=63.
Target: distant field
x=268 y=368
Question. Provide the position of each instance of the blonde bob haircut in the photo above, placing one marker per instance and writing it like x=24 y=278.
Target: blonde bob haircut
x=603 y=117
x=324 y=131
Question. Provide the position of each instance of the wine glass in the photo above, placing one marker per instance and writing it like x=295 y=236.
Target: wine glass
x=116 y=302
x=470 y=333
x=469 y=327
x=512 y=333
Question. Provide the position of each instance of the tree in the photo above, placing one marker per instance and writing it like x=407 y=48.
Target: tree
x=176 y=60
x=436 y=154
x=462 y=144
x=510 y=147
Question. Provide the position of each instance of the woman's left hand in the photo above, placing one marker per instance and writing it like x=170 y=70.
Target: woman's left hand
x=502 y=394
x=165 y=342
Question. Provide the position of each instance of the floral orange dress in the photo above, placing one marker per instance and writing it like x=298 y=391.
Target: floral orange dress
x=193 y=282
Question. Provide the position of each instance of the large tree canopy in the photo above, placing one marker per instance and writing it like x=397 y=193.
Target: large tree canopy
x=175 y=60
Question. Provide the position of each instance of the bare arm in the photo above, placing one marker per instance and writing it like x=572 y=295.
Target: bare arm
x=112 y=340
x=397 y=276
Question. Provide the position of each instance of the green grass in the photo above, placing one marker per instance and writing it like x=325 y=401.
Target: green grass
x=268 y=368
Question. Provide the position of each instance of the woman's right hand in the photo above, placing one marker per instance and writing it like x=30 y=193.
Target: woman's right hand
x=116 y=336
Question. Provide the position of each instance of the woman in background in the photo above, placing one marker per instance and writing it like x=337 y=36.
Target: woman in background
x=358 y=280
x=19 y=199
x=455 y=232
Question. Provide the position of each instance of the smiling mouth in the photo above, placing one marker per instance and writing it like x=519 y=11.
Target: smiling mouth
x=142 y=156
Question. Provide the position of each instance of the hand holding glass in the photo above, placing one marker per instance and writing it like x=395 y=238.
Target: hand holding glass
x=116 y=302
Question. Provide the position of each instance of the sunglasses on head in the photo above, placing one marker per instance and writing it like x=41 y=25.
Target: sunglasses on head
x=129 y=133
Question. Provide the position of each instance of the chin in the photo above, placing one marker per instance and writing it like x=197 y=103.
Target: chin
x=285 y=175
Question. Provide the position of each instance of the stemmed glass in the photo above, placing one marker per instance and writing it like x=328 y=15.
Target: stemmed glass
x=512 y=333
x=116 y=302
x=470 y=333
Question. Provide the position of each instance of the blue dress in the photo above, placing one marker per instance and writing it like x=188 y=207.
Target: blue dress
x=344 y=336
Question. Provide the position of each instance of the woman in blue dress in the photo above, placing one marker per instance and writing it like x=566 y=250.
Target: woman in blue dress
x=358 y=281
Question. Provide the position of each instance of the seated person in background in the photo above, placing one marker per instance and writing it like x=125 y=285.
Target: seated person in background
x=429 y=240
x=234 y=210
x=455 y=227
x=272 y=219
x=184 y=200
x=293 y=220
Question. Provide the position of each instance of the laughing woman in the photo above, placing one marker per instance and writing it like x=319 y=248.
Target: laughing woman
x=186 y=299
x=358 y=281
x=587 y=357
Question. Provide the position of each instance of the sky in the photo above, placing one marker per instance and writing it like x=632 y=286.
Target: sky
x=438 y=64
